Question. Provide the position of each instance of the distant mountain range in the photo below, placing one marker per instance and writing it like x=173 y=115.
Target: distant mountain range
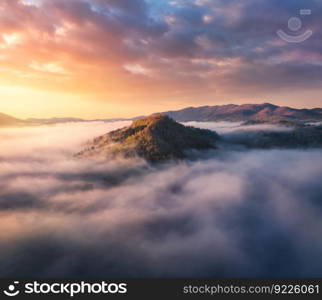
x=251 y=113
x=53 y=120
x=265 y=112
x=6 y=121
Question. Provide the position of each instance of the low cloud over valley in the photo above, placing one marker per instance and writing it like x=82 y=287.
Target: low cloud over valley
x=233 y=213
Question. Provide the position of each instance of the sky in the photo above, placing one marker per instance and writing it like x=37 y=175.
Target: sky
x=122 y=58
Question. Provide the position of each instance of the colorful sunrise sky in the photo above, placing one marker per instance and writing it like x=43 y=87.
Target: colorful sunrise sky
x=119 y=58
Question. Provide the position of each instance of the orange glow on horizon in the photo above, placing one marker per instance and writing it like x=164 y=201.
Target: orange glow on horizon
x=60 y=61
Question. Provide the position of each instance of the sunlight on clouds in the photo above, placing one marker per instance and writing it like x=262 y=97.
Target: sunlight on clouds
x=136 y=69
x=207 y=18
x=31 y=2
x=48 y=67
x=10 y=40
x=181 y=52
x=61 y=31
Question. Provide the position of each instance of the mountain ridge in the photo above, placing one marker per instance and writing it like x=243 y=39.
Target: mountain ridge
x=6 y=120
x=155 y=138
x=265 y=112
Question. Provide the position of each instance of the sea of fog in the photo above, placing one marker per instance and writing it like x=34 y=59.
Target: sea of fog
x=235 y=213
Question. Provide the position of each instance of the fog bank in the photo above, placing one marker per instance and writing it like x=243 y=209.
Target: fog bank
x=244 y=213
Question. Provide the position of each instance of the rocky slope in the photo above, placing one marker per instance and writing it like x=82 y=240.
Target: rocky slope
x=155 y=138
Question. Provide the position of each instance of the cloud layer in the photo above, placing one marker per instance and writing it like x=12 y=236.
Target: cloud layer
x=153 y=49
x=255 y=213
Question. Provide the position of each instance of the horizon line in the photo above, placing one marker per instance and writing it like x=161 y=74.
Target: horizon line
x=144 y=115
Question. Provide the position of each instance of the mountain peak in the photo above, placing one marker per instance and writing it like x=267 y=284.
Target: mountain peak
x=155 y=138
x=151 y=121
x=267 y=104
